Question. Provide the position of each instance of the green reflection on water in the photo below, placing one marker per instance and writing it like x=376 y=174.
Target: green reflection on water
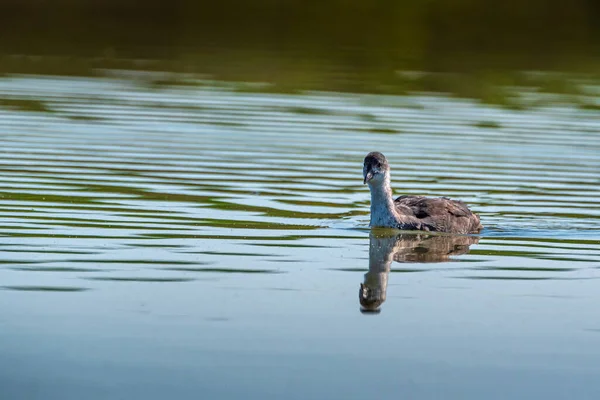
x=56 y=269
x=45 y=288
x=21 y=104
x=226 y=270
x=137 y=279
x=470 y=48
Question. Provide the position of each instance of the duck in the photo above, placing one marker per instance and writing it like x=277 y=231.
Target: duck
x=415 y=213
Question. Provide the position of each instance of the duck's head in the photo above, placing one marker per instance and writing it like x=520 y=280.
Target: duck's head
x=375 y=168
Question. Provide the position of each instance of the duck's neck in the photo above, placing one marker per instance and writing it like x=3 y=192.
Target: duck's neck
x=383 y=211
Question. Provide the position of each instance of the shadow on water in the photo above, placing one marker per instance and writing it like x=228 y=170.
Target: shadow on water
x=385 y=247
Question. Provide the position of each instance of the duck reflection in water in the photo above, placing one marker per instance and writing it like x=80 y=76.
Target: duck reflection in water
x=386 y=246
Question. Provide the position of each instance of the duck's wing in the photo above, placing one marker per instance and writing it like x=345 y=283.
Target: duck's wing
x=422 y=206
x=442 y=213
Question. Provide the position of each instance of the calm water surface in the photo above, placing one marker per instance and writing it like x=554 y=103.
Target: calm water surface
x=203 y=242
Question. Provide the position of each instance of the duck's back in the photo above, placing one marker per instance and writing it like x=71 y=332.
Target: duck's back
x=439 y=214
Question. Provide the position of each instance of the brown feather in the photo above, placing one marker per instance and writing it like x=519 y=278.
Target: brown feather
x=439 y=213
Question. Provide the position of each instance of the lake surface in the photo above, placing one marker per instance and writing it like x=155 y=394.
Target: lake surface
x=203 y=241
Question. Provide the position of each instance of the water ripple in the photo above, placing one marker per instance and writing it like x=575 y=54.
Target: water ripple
x=134 y=178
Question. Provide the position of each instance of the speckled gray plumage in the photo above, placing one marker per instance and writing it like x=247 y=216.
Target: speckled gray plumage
x=439 y=214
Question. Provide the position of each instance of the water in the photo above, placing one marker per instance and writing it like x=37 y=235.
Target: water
x=201 y=241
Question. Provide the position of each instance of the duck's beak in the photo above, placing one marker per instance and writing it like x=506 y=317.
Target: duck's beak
x=368 y=177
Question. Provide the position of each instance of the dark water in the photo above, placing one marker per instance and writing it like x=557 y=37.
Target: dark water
x=200 y=242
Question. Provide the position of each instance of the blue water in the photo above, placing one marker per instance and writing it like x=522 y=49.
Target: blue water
x=198 y=242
